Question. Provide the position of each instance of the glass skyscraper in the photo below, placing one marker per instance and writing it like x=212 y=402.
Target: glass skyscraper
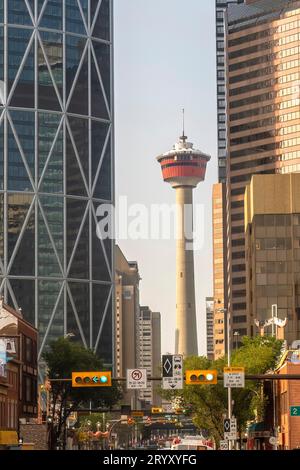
x=56 y=166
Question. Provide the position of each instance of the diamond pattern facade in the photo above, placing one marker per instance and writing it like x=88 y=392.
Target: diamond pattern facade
x=56 y=166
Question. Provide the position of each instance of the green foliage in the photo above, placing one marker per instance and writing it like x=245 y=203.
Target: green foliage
x=64 y=357
x=209 y=402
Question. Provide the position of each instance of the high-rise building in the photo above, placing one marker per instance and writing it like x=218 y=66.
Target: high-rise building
x=219 y=269
x=272 y=226
x=127 y=313
x=150 y=353
x=221 y=6
x=209 y=303
x=263 y=120
x=56 y=166
x=184 y=168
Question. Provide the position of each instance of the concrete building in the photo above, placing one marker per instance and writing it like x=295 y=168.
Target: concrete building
x=209 y=302
x=272 y=226
x=262 y=88
x=219 y=269
x=56 y=167
x=287 y=396
x=150 y=353
x=127 y=313
x=184 y=168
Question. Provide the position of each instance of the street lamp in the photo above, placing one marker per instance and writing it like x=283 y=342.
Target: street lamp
x=89 y=424
x=225 y=312
x=69 y=335
x=236 y=337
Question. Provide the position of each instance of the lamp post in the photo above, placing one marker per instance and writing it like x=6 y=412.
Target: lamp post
x=229 y=396
x=236 y=337
x=89 y=424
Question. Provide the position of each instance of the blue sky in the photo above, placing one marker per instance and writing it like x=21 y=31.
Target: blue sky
x=164 y=61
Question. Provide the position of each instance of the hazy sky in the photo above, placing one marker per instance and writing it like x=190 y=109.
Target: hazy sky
x=164 y=61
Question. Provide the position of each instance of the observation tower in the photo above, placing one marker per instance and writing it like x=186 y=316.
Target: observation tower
x=184 y=168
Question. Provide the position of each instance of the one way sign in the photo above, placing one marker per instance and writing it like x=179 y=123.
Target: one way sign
x=172 y=367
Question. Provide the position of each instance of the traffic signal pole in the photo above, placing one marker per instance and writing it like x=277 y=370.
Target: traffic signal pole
x=229 y=365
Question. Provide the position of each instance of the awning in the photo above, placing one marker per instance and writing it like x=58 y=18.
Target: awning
x=9 y=438
x=259 y=430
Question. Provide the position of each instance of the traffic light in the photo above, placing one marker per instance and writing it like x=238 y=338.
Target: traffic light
x=201 y=377
x=156 y=410
x=91 y=379
x=130 y=421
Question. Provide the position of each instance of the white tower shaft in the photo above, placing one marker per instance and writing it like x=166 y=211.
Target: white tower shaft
x=186 y=324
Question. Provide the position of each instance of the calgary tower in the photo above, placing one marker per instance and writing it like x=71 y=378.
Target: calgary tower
x=183 y=168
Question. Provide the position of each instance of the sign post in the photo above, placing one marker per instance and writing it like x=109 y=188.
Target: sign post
x=234 y=377
x=230 y=429
x=172 y=366
x=136 y=379
x=224 y=445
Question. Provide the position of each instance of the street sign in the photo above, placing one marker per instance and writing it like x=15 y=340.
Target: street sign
x=234 y=377
x=224 y=445
x=172 y=366
x=167 y=407
x=137 y=414
x=136 y=379
x=273 y=441
x=230 y=429
x=295 y=410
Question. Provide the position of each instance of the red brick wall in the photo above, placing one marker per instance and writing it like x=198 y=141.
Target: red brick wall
x=294 y=400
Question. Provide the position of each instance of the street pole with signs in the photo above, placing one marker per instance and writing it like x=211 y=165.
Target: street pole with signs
x=229 y=406
x=229 y=364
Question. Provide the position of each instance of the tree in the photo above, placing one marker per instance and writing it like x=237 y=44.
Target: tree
x=209 y=402
x=62 y=358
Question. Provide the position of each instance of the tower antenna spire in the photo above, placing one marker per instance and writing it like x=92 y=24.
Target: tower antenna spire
x=183 y=137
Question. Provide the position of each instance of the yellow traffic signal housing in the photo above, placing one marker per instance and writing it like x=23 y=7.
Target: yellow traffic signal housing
x=201 y=377
x=156 y=410
x=91 y=379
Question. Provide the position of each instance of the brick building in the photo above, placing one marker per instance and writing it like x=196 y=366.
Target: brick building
x=288 y=396
x=18 y=374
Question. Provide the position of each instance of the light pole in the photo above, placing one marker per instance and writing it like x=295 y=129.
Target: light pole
x=236 y=337
x=89 y=424
x=229 y=405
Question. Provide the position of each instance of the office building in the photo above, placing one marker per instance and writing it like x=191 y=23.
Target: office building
x=262 y=85
x=219 y=269
x=209 y=303
x=221 y=6
x=56 y=167
x=150 y=353
x=127 y=313
x=184 y=167
x=272 y=226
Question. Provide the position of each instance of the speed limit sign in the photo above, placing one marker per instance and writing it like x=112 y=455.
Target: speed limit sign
x=136 y=379
x=224 y=445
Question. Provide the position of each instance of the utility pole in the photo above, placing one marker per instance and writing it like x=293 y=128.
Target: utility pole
x=229 y=364
x=229 y=395
x=275 y=323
